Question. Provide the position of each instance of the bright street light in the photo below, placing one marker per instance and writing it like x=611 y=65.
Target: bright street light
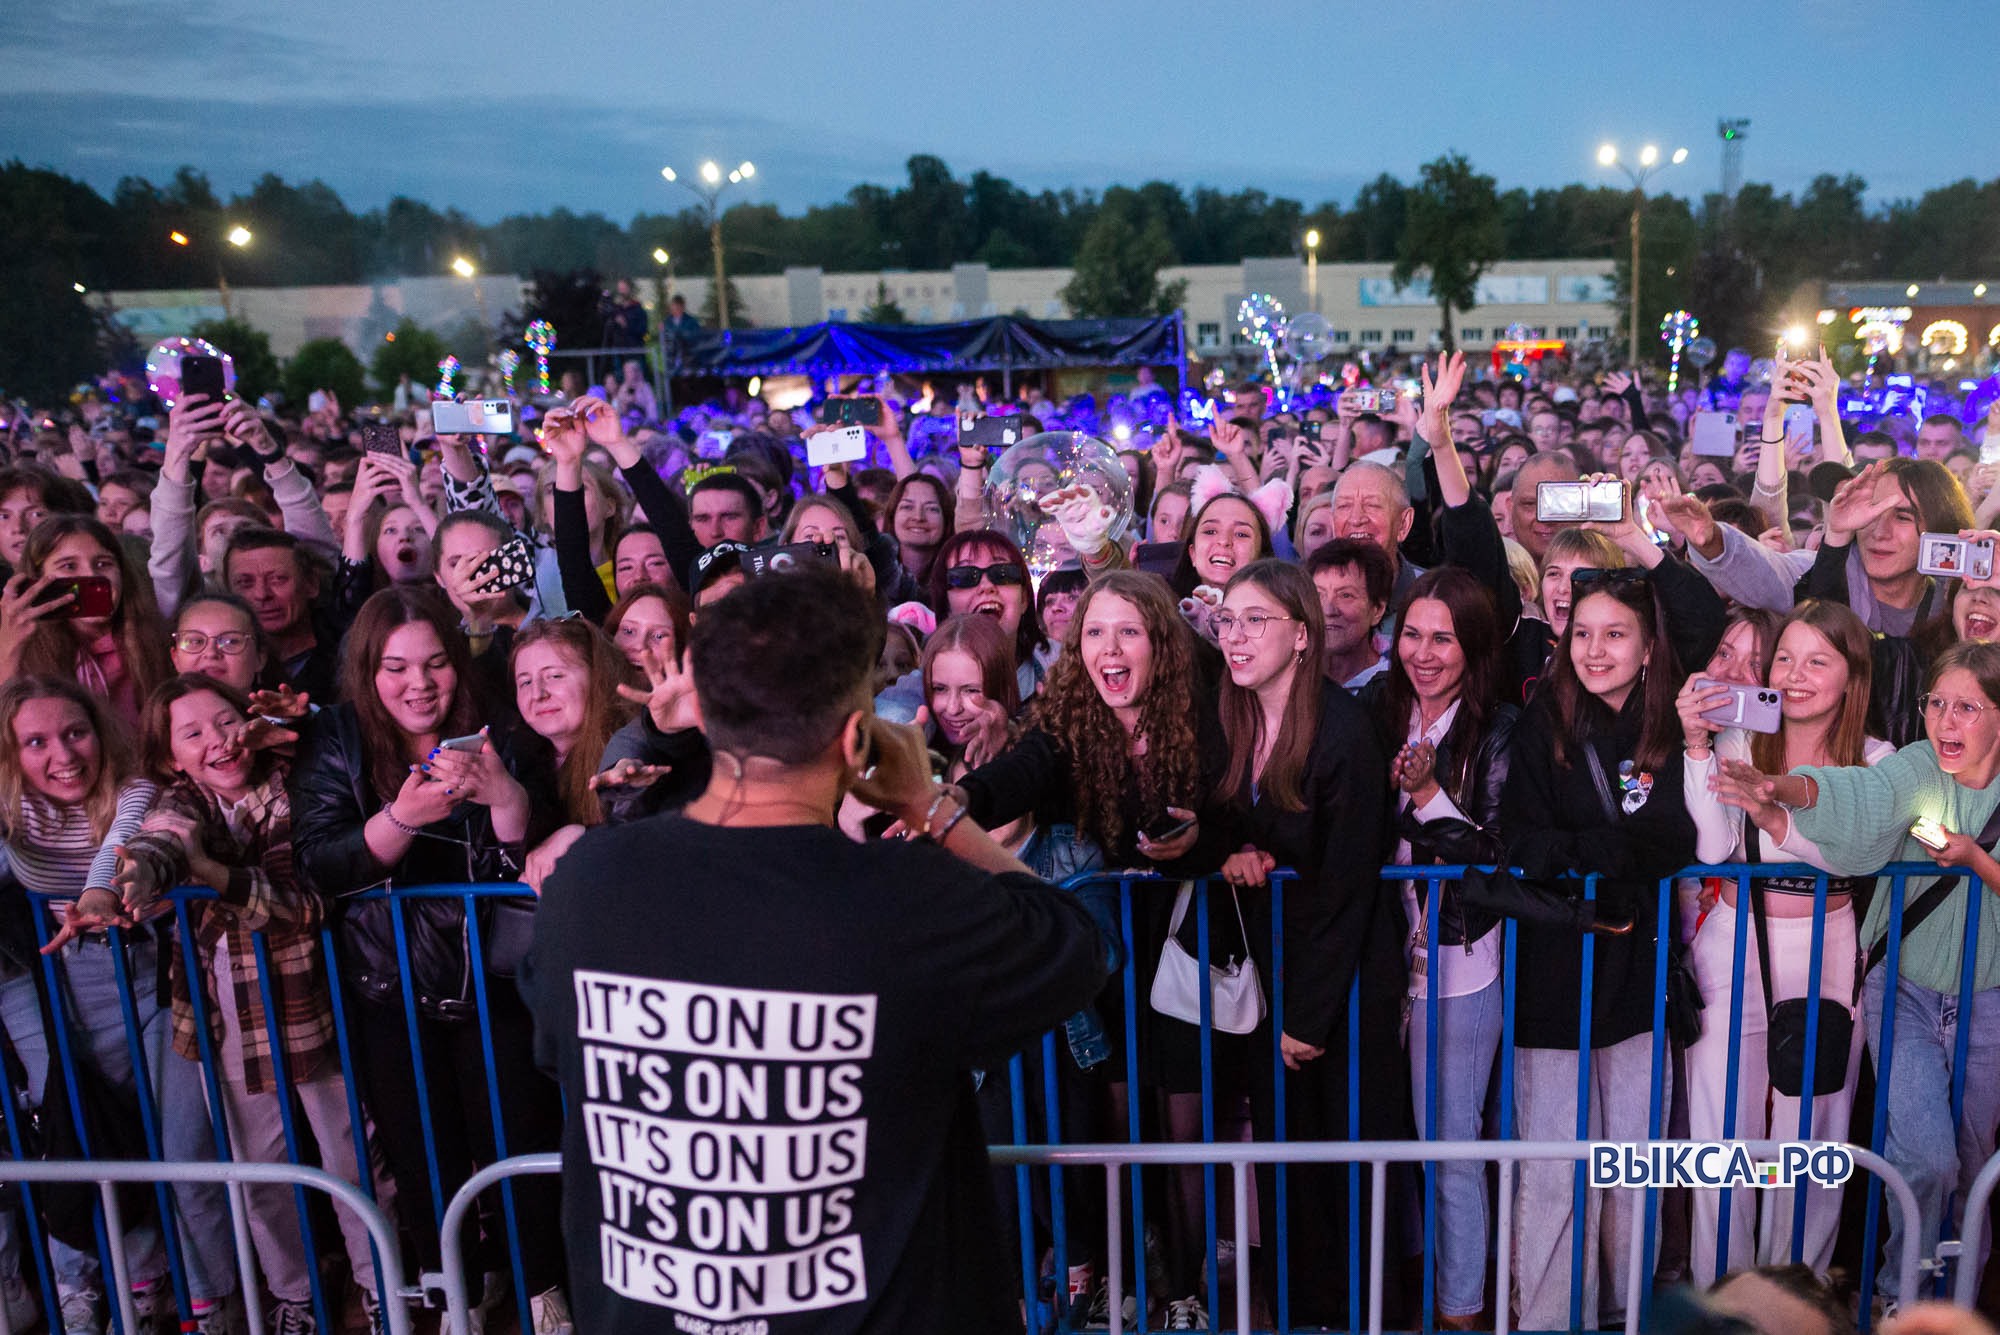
x=715 y=183
x=239 y=236
x=178 y=238
x=1312 y=239
x=1649 y=162
x=463 y=267
x=78 y=288
x=660 y=256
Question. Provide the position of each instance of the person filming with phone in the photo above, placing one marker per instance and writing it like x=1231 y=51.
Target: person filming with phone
x=748 y=942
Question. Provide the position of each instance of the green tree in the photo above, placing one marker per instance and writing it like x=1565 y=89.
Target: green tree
x=739 y=314
x=1451 y=233
x=257 y=371
x=883 y=309
x=49 y=340
x=1118 y=269
x=410 y=349
x=324 y=363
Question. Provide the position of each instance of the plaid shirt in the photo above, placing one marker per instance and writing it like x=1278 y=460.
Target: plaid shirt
x=264 y=894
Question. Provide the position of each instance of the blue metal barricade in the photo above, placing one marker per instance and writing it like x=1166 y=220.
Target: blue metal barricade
x=1173 y=1224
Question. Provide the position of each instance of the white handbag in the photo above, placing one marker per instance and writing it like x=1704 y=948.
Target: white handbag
x=1237 y=993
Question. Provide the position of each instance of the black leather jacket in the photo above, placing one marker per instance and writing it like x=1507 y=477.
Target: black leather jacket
x=1481 y=805
x=332 y=800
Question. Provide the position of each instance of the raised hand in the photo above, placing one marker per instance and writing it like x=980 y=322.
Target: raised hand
x=283 y=702
x=1693 y=701
x=1860 y=501
x=92 y=911
x=1082 y=515
x=1690 y=515
x=669 y=697
x=629 y=773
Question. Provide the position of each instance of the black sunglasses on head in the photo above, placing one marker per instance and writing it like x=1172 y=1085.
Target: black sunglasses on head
x=1003 y=575
x=1584 y=577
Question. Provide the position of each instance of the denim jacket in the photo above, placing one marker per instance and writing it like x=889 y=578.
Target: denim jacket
x=1057 y=853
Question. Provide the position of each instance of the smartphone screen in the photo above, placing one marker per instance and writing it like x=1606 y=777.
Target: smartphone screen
x=202 y=374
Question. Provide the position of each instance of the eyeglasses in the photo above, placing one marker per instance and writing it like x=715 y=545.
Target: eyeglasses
x=229 y=642
x=1004 y=575
x=1586 y=576
x=1252 y=624
x=1965 y=711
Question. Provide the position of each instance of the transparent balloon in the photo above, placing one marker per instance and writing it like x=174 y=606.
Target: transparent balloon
x=1702 y=351
x=1309 y=338
x=1044 y=463
x=163 y=365
x=1762 y=370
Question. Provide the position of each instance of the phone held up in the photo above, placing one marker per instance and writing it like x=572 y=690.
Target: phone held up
x=1580 y=502
x=846 y=410
x=1949 y=556
x=1751 y=708
x=91 y=598
x=202 y=374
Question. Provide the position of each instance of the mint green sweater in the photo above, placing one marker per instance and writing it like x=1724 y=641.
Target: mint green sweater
x=1862 y=822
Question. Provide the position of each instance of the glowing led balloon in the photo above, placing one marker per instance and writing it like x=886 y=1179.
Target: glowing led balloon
x=1761 y=371
x=509 y=362
x=163 y=365
x=1040 y=464
x=541 y=340
x=1216 y=379
x=447 y=373
x=1309 y=338
x=1701 y=351
x=1262 y=318
x=1946 y=337
x=1679 y=329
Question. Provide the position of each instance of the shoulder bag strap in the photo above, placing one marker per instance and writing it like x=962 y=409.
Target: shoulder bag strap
x=1602 y=783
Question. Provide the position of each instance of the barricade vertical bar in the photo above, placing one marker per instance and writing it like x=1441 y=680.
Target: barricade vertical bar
x=1354 y=1169
x=1024 y=1206
x=1878 y=1137
x=30 y=1213
x=1503 y=1256
x=122 y=1306
x=1663 y=938
x=149 y=1118
x=1207 y=1038
x=1378 y=1240
x=1814 y=970
x=1131 y=977
x=417 y=1058
x=1579 y=1203
x=1114 y=1252
x=1239 y=1174
x=1433 y=889
x=1278 y=1175
x=1968 y=971
x=358 y=1125
x=1732 y=1083
x=1058 y=1215
x=476 y=966
x=282 y=1089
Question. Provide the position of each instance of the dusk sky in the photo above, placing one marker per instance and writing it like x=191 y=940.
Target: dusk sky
x=507 y=106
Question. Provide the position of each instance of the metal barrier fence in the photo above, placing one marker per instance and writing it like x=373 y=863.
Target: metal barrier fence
x=1046 y=1099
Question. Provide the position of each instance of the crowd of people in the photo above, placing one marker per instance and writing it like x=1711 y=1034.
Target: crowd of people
x=298 y=660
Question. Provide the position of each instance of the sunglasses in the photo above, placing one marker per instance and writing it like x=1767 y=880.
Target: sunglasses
x=1003 y=575
x=1589 y=577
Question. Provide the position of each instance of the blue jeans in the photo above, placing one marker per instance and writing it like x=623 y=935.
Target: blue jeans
x=1937 y=1159
x=1057 y=853
x=96 y=1021
x=1468 y=1039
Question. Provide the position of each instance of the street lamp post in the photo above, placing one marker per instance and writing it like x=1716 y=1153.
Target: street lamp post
x=1312 y=270
x=1649 y=162
x=238 y=236
x=469 y=271
x=713 y=183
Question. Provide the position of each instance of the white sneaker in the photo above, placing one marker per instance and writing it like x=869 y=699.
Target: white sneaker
x=1186 y=1314
x=549 y=1314
x=81 y=1311
x=292 y=1318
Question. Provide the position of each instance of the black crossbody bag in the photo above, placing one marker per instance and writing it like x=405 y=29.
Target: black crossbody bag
x=1786 y=1021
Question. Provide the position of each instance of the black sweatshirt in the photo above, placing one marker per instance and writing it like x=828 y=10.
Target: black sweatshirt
x=765 y=1036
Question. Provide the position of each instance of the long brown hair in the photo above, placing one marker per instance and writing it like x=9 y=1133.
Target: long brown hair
x=947 y=505
x=382 y=741
x=1850 y=638
x=672 y=595
x=53 y=646
x=1070 y=710
x=1283 y=778
x=1477 y=626
x=114 y=770
x=1581 y=715
x=604 y=709
x=980 y=639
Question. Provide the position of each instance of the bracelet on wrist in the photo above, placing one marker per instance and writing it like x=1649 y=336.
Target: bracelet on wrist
x=938 y=837
x=1762 y=441
x=411 y=830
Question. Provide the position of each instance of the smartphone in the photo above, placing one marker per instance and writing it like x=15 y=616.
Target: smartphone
x=1168 y=828
x=993 y=432
x=1580 y=502
x=843 y=444
x=474 y=417
x=1751 y=708
x=1372 y=400
x=315 y=401
x=846 y=410
x=1801 y=424
x=1930 y=833
x=202 y=374
x=791 y=557
x=90 y=597
x=1952 y=557
x=1714 y=434
x=1310 y=428
x=512 y=560
x=470 y=742
x=381 y=438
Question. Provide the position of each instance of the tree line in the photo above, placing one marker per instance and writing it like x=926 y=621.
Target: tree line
x=1731 y=261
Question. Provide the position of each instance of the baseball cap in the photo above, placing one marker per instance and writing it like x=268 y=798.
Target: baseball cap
x=1562 y=394
x=719 y=560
